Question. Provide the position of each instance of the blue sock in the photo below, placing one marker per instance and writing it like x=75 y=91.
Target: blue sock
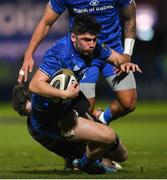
x=86 y=161
x=107 y=115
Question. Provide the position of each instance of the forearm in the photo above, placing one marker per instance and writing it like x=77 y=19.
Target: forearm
x=117 y=59
x=40 y=85
x=39 y=34
x=129 y=14
x=129 y=29
x=123 y=63
x=42 y=29
x=44 y=89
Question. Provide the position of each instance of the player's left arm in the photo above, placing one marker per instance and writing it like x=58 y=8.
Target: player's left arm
x=129 y=15
x=122 y=63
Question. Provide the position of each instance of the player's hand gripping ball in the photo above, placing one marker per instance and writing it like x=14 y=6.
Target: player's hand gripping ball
x=61 y=80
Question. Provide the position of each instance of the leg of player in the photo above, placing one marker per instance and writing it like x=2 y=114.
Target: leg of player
x=118 y=153
x=125 y=103
x=124 y=87
x=88 y=85
x=87 y=130
x=89 y=91
x=100 y=138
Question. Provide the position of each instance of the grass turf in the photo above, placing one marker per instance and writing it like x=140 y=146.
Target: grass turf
x=143 y=132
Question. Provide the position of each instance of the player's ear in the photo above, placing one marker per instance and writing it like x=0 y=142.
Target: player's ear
x=73 y=37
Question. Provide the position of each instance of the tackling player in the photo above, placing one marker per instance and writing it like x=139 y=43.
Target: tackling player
x=21 y=101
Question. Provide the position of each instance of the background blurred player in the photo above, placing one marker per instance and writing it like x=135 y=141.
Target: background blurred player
x=107 y=14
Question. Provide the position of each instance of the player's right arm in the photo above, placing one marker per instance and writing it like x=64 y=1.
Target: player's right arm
x=41 y=30
x=129 y=14
x=39 y=85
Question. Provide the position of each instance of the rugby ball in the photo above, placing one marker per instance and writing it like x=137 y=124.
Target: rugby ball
x=61 y=80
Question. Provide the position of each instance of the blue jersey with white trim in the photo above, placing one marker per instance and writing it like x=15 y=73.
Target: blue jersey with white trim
x=63 y=55
x=106 y=13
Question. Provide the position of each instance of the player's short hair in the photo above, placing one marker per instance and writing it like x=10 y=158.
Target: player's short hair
x=20 y=96
x=85 y=23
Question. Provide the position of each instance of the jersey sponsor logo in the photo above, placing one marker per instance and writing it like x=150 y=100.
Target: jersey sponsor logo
x=94 y=3
x=93 y=9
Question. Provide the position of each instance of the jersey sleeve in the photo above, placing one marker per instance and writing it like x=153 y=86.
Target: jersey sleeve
x=55 y=58
x=102 y=53
x=50 y=64
x=105 y=52
x=58 y=5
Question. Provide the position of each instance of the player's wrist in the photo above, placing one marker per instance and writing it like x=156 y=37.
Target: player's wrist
x=63 y=94
x=29 y=53
x=28 y=56
x=128 y=46
x=127 y=57
x=124 y=59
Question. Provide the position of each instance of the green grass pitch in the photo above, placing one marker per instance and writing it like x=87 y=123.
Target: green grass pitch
x=144 y=132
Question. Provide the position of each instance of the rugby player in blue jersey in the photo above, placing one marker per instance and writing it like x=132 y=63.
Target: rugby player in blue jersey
x=49 y=122
x=107 y=14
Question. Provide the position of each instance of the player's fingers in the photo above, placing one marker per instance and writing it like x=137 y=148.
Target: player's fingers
x=134 y=68
x=25 y=73
x=74 y=87
x=25 y=76
x=77 y=87
x=116 y=70
x=74 y=84
x=21 y=75
x=123 y=68
x=20 y=79
x=138 y=69
x=118 y=73
x=31 y=66
x=127 y=69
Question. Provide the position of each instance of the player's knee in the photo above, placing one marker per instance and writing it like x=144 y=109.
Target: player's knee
x=123 y=157
x=109 y=136
x=129 y=105
x=129 y=108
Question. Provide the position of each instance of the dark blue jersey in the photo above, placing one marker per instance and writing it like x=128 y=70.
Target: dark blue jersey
x=62 y=55
x=106 y=13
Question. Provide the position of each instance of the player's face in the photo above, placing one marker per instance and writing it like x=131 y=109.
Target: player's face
x=84 y=43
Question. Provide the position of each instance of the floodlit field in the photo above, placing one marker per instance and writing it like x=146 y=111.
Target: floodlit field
x=144 y=132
